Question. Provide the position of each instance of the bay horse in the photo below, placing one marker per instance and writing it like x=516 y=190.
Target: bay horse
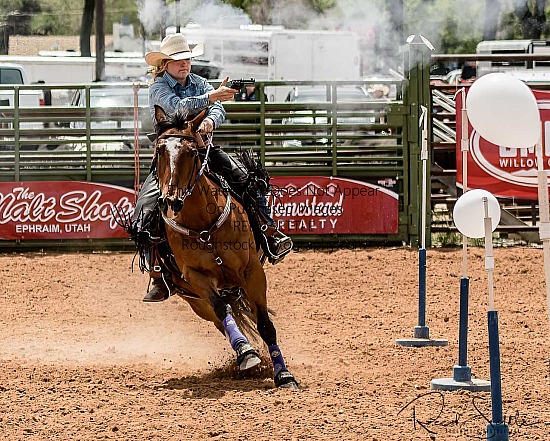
x=213 y=245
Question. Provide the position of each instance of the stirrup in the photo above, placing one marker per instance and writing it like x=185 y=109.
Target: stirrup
x=277 y=246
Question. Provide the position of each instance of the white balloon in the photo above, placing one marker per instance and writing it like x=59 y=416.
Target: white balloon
x=469 y=213
x=504 y=111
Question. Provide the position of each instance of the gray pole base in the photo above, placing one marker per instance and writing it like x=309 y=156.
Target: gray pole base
x=497 y=432
x=462 y=373
x=451 y=384
x=420 y=342
x=421 y=339
x=422 y=332
x=462 y=379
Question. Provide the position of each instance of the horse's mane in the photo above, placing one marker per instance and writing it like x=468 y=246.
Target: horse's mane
x=176 y=121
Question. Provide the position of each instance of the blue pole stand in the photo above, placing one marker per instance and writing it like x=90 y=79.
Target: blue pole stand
x=421 y=332
x=462 y=373
x=497 y=430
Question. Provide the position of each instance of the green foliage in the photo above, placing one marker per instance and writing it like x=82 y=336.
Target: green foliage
x=446 y=239
x=451 y=43
x=7 y=6
x=58 y=17
x=451 y=26
x=322 y=5
x=245 y=5
x=64 y=17
x=512 y=27
x=17 y=14
x=49 y=24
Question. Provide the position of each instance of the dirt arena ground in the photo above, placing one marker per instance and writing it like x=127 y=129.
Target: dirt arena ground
x=82 y=358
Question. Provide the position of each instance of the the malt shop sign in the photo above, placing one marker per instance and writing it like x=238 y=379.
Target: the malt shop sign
x=503 y=171
x=62 y=210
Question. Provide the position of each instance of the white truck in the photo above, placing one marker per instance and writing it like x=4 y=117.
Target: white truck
x=15 y=75
x=275 y=53
x=312 y=56
x=527 y=70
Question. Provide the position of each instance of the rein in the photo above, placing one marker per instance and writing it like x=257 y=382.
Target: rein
x=204 y=236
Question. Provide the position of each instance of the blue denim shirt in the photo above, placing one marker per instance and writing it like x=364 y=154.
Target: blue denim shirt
x=192 y=98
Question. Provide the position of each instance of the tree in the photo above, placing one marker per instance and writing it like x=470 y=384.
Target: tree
x=526 y=21
x=21 y=17
x=86 y=28
x=100 y=40
x=396 y=38
x=15 y=18
x=531 y=19
x=322 y=5
x=492 y=10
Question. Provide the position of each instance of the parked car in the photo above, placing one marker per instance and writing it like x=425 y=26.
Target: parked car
x=113 y=109
x=116 y=101
x=309 y=117
x=14 y=74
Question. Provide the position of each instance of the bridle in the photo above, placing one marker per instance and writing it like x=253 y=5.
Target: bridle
x=177 y=203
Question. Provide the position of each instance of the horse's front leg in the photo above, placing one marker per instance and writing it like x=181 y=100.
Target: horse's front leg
x=247 y=357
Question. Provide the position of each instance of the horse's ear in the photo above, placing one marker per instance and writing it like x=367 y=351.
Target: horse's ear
x=196 y=122
x=160 y=114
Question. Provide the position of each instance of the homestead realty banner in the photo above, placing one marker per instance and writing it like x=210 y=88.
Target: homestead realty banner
x=62 y=210
x=503 y=171
x=328 y=205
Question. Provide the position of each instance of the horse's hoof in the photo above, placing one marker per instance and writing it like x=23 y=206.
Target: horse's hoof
x=285 y=379
x=247 y=357
x=249 y=361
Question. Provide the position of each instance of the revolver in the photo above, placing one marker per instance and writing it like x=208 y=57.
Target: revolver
x=238 y=84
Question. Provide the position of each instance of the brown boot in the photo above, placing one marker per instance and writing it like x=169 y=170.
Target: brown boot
x=158 y=292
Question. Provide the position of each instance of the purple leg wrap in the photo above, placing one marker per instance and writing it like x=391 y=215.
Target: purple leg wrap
x=277 y=359
x=233 y=334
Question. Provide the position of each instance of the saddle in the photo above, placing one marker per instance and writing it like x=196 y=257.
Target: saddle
x=247 y=181
x=146 y=228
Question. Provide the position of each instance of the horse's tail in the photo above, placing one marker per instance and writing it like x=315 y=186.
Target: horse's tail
x=242 y=313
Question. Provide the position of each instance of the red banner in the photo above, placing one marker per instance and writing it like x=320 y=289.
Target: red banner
x=323 y=205
x=302 y=205
x=504 y=172
x=62 y=210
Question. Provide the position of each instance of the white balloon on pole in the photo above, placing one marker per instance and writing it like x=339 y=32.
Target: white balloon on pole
x=469 y=213
x=504 y=111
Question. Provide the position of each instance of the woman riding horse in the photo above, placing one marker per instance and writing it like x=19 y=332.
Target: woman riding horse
x=174 y=89
x=218 y=267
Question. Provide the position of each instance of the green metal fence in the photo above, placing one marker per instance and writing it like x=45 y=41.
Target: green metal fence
x=367 y=140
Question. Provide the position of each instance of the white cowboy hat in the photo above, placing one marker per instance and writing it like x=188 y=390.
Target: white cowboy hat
x=173 y=47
